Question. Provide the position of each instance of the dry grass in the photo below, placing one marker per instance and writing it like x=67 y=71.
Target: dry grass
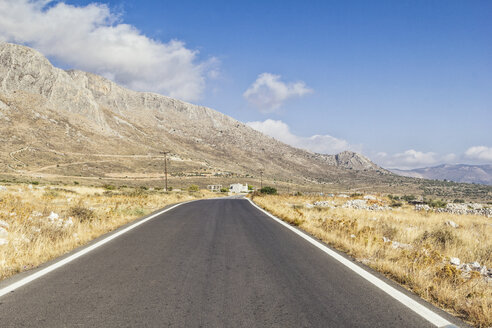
x=84 y=213
x=421 y=263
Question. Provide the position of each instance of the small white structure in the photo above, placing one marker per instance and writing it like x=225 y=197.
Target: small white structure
x=214 y=188
x=238 y=188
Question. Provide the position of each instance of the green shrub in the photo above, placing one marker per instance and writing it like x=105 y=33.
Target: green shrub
x=408 y=198
x=268 y=190
x=193 y=188
x=224 y=190
x=109 y=187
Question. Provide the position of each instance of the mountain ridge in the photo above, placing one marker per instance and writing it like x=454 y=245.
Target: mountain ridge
x=93 y=107
x=465 y=173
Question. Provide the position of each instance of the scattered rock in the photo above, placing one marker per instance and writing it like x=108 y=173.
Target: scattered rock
x=352 y=236
x=396 y=245
x=422 y=207
x=454 y=261
x=3 y=233
x=386 y=240
x=475 y=266
x=361 y=204
x=452 y=224
x=4 y=224
x=325 y=203
x=370 y=197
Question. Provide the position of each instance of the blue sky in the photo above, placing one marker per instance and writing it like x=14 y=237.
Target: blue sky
x=407 y=83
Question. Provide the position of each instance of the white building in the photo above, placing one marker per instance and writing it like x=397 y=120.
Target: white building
x=238 y=188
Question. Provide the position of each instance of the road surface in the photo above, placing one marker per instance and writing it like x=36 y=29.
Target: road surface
x=209 y=263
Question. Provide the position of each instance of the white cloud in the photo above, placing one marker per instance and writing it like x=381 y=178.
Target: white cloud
x=481 y=153
x=324 y=144
x=411 y=159
x=94 y=39
x=268 y=92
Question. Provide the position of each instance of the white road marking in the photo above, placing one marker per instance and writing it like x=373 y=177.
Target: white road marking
x=413 y=305
x=78 y=254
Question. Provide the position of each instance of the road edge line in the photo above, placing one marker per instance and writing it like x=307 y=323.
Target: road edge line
x=413 y=305
x=24 y=281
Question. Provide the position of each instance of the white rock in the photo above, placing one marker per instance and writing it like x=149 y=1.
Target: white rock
x=53 y=216
x=370 y=197
x=68 y=222
x=454 y=261
x=30 y=186
x=3 y=233
x=36 y=213
x=452 y=224
x=343 y=196
x=3 y=241
x=373 y=219
x=35 y=229
x=3 y=188
x=465 y=268
x=396 y=244
x=386 y=240
x=352 y=236
x=309 y=205
x=475 y=265
x=4 y=224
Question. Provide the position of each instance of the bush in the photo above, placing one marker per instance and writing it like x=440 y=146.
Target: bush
x=76 y=183
x=396 y=204
x=81 y=213
x=35 y=183
x=109 y=187
x=193 y=188
x=250 y=187
x=409 y=198
x=224 y=190
x=437 y=203
x=268 y=190
x=458 y=201
x=443 y=237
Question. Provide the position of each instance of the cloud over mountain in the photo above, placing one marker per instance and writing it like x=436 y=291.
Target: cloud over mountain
x=268 y=92
x=481 y=153
x=323 y=144
x=94 y=39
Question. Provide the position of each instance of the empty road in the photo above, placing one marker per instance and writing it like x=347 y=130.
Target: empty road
x=209 y=263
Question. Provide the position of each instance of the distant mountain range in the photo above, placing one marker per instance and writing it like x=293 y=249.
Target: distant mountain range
x=453 y=172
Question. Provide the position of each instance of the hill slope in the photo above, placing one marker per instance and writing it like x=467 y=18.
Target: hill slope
x=458 y=173
x=73 y=125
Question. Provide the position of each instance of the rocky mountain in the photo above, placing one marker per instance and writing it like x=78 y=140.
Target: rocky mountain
x=458 y=172
x=77 y=126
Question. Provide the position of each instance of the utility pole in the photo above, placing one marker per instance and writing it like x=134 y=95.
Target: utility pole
x=165 y=166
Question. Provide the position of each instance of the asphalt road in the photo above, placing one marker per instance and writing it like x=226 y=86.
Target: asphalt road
x=210 y=263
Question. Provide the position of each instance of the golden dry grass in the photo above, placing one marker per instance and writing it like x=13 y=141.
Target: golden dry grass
x=34 y=239
x=421 y=264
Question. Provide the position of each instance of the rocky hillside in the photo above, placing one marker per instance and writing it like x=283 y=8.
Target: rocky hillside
x=459 y=173
x=74 y=125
